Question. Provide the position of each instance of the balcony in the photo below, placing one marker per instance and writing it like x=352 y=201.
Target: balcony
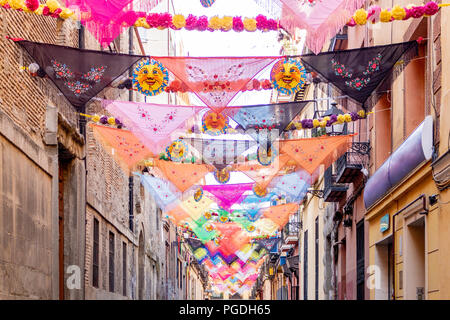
x=290 y=233
x=348 y=167
x=333 y=191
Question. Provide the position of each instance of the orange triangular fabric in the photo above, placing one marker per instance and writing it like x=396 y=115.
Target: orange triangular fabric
x=261 y=174
x=224 y=77
x=182 y=175
x=178 y=215
x=280 y=214
x=312 y=152
x=123 y=145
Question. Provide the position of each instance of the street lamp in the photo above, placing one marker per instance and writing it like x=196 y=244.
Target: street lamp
x=335 y=129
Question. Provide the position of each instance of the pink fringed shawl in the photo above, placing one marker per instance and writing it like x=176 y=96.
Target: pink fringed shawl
x=321 y=19
x=106 y=19
x=228 y=194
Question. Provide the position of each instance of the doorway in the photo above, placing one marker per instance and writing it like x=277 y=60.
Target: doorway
x=384 y=261
x=414 y=268
x=141 y=255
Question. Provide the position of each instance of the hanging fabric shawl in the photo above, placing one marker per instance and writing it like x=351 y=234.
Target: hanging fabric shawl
x=151 y=123
x=106 y=19
x=229 y=194
x=163 y=192
x=223 y=76
x=196 y=209
x=220 y=153
x=294 y=185
x=262 y=174
x=123 y=145
x=182 y=175
x=322 y=19
x=280 y=214
x=358 y=72
x=265 y=123
x=268 y=243
x=310 y=153
x=79 y=74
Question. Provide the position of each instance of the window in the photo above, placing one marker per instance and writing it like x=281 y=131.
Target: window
x=95 y=254
x=124 y=268
x=111 y=261
x=158 y=214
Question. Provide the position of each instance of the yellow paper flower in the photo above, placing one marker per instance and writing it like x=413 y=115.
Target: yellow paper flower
x=398 y=13
x=340 y=119
x=323 y=123
x=3 y=2
x=362 y=113
x=316 y=123
x=360 y=16
x=142 y=22
x=385 y=16
x=179 y=21
x=227 y=23
x=16 y=4
x=96 y=118
x=298 y=125
x=40 y=9
x=215 y=23
x=52 y=5
x=249 y=24
x=111 y=121
x=66 y=13
x=348 y=117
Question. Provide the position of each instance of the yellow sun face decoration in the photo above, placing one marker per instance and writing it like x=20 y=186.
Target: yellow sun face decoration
x=177 y=151
x=288 y=76
x=222 y=176
x=259 y=190
x=150 y=77
x=214 y=123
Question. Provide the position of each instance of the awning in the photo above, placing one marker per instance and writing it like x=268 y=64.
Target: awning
x=418 y=147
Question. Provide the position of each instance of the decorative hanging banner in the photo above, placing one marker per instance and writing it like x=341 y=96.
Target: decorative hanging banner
x=162 y=191
x=310 y=153
x=106 y=19
x=268 y=243
x=150 y=77
x=265 y=123
x=229 y=194
x=151 y=123
x=79 y=74
x=226 y=75
x=262 y=174
x=280 y=214
x=123 y=145
x=294 y=185
x=220 y=153
x=288 y=76
x=182 y=175
x=322 y=19
x=358 y=72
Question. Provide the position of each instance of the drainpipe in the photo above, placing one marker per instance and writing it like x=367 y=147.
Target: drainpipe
x=423 y=197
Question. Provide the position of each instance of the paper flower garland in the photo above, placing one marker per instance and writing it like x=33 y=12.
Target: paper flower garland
x=214 y=123
x=177 y=151
x=150 y=77
x=288 y=76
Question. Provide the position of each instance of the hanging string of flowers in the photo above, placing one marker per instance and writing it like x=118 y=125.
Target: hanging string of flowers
x=262 y=23
x=104 y=120
x=328 y=120
x=376 y=14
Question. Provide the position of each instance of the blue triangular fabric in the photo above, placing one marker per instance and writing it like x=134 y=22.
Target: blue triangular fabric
x=161 y=190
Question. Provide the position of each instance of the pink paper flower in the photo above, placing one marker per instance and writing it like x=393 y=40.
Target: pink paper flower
x=261 y=22
x=431 y=8
x=351 y=23
x=409 y=13
x=129 y=18
x=238 y=25
x=191 y=22
x=56 y=13
x=153 y=20
x=418 y=12
x=46 y=11
x=165 y=20
x=272 y=24
x=32 y=5
x=202 y=23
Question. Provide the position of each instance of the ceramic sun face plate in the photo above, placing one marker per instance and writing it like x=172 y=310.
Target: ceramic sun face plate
x=177 y=151
x=288 y=76
x=214 y=123
x=150 y=77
